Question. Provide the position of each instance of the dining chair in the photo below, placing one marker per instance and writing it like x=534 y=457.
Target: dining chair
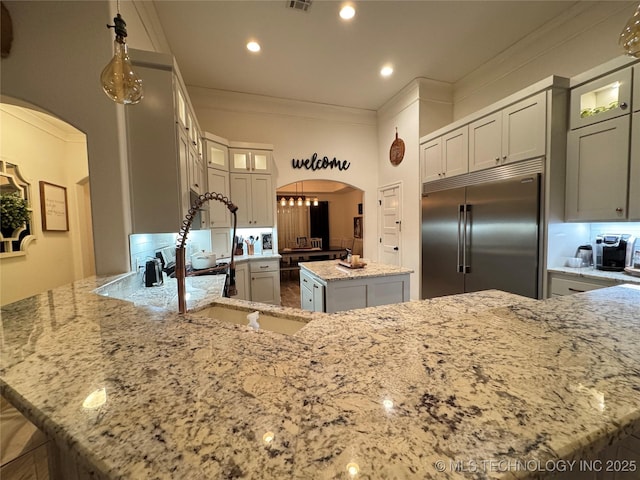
x=316 y=242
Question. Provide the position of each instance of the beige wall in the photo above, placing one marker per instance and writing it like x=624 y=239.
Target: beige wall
x=297 y=130
x=58 y=52
x=43 y=154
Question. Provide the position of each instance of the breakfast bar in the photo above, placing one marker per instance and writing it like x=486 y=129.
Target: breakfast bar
x=418 y=389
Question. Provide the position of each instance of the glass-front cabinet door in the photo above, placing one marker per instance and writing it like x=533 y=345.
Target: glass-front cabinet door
x=217 y=155
x=601 y=99
x=250 y=160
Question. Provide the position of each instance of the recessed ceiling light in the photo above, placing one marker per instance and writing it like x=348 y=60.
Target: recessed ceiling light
x=253 y=47
x=386 y=71
x=347 y=12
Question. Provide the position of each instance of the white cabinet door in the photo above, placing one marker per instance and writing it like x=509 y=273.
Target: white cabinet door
x=217 y=155
x=242 y=281
x=524 y=129
x=431 y=160
x=250 y=161
x=265 y=287
x=634 y=168
x=597 y=171
x=445 y=156
x=218 y=182
x=240 y=188
x=636 y=88
x=311 y=293
x=513 y=134
x=485 y=142
x=602 y=99
x=263 y=201
x=183 y=167
x=254 y=196
x=455 y=152
x=195 y=170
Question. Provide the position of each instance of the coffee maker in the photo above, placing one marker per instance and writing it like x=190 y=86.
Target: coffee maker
x=614 y=251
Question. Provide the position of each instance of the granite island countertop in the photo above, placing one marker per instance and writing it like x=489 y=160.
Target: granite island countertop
x=331 y=270
x=396 y=389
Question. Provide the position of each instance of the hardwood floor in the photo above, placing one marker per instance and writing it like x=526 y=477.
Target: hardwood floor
x=290 y=289
x=23 y=448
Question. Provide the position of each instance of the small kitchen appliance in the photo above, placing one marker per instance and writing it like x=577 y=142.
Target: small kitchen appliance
x=614 y=251
x=585 y=254
x=153 y=273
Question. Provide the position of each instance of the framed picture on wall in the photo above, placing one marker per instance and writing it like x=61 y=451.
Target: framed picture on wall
x=53 y=206
x=357 y=227
x=267 y=241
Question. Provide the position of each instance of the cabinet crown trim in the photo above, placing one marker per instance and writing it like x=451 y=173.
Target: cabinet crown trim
x=251 y=146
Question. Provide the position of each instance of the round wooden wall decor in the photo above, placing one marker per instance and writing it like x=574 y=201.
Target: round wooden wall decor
x=396 y=153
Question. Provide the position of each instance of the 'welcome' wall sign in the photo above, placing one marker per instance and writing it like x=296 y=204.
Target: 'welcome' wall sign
x=315 y=163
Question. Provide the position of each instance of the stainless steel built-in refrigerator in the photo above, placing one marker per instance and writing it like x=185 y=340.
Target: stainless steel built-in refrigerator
x=482 y=236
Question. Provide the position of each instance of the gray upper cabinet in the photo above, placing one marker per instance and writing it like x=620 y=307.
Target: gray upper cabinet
x=634 y=169
x=636 y=88
x=601 y=99
x=158 y=149
x=597 y=171
x=516 y=133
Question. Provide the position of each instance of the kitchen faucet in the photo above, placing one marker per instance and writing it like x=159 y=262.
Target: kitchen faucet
x=181 y=265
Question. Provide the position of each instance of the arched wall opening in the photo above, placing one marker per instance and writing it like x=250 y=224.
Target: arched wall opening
x=51 y=154
x=337 y=219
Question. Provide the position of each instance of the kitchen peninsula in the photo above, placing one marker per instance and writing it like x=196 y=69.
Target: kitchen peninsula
x=406 y=390
x=332 y=286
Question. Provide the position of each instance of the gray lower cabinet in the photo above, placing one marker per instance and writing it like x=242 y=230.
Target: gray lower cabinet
x=319 y=295
x=265 y=281
x=258 y=280
x=570 y=284
x=311 y=293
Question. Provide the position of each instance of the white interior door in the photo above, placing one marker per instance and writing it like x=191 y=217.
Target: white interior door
x=389 y=201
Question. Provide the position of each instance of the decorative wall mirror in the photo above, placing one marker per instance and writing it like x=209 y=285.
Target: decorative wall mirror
x=16 y=218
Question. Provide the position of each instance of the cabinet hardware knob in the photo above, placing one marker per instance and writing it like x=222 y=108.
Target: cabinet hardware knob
x=619 y=210
x=575 y=290
x=623 y=105
x=497 y=159
x=504 y=157
x=315 y=286
x=396 y=248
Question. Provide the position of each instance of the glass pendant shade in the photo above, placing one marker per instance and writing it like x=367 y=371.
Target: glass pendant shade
x=307 y=202
x=299 y=201
x=119 y=81
x=315 y=202
x=291 y=202
x=283 y=202
x=630 y=36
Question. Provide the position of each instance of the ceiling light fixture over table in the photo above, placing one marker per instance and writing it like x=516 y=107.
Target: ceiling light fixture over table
x=120 y=83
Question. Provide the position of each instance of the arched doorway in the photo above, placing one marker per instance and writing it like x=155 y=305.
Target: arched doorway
x=329 y=210
x=48 y=152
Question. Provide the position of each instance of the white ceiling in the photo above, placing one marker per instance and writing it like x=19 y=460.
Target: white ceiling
x=315 y=56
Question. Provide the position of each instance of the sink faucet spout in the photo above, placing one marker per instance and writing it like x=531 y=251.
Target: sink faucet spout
x=181 y=267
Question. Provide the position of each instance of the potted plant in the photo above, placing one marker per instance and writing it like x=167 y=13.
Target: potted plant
x=14 y=213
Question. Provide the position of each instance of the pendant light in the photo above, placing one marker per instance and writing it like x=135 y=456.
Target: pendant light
x=292 y=202
x=630 y=36
x=283 y=202
x=299 y=198
x=315 y=202
x=119 y=81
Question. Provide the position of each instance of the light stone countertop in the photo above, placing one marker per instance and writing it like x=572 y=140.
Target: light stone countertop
x=592 y=272
x=331 y=270
x=486 y=376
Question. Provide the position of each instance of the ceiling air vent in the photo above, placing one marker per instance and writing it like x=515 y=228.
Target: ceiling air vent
x=299 y=4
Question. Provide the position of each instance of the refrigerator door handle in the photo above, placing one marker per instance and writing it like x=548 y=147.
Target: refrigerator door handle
x=466 y=235
x=459 y=258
